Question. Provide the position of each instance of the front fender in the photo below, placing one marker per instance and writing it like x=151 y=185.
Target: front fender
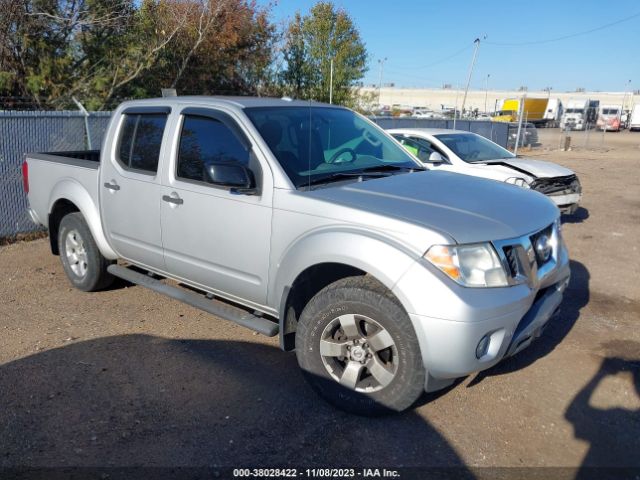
x=73 y=191
x=381 y=256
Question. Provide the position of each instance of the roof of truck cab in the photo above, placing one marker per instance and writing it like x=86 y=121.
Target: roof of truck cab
x=238 y=102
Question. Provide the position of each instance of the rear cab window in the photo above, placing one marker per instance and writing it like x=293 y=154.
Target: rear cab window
x=141 y=140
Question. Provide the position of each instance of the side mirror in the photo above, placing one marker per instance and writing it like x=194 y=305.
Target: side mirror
x=435 y=157
x=233 y=175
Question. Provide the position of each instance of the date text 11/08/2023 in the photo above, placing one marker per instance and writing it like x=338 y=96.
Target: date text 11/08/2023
x=315 y=473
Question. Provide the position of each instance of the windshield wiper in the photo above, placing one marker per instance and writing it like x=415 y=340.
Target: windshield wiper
x=337 y=176
x=391 y=168
x=377 y=171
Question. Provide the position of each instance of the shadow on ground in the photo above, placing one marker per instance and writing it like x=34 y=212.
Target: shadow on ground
x=579 y=216
x=612 y=433
x=140 y=400
x=575 y=298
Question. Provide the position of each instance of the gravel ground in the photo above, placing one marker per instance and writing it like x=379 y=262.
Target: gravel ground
x=127 y=377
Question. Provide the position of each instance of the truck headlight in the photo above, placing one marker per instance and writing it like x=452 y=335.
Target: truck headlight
x=473 y=265
x=518 y=181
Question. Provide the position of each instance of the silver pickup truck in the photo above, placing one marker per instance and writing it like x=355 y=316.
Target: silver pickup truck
x=307 y=221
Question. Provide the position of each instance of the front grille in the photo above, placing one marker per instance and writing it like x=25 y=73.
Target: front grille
x=523 y=263
x=557 y=185
x=512 y=260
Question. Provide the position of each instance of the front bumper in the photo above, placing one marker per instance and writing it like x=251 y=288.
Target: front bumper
x=567 y=203
x=450 y=321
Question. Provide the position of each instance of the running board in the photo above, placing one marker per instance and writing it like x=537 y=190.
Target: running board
x=215 y=307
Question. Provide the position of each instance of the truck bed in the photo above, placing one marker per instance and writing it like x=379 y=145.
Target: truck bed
x=80 y=158
x=73 y=172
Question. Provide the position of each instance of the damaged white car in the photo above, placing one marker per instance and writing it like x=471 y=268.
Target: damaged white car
x=471 y=154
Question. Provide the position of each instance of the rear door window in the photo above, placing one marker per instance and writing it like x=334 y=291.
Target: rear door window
x=140 y=141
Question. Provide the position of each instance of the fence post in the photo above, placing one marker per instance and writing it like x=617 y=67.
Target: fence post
x=86 y=121
x=515 y=150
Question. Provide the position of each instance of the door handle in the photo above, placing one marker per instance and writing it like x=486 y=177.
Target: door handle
x=174 y=200
x=111 y=186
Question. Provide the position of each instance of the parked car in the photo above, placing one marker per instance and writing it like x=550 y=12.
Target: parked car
x=471 y=154
x=528 y=135
x=311 y=223
x=425 y=113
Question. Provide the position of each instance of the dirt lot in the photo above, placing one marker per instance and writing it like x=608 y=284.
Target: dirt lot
x=127 y=377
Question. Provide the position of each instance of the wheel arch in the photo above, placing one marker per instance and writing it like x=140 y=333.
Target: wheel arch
x=70 y=196
x=314 y=262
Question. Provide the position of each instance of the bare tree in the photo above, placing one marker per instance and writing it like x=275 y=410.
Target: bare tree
x=209 y=13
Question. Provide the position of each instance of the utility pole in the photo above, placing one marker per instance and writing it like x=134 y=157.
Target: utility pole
x=473 y=62
x=381 y=63
x=548 y=89
x=331 y=84
x=624 y=97
x=455 y=107
x=486 y=91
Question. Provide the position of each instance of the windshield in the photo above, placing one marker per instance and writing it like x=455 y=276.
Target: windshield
x=610 y=111
x=575 y=110
x=473 y=148
x=312 y=143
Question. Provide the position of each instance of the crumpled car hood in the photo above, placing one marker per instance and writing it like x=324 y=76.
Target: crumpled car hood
x=538 y=168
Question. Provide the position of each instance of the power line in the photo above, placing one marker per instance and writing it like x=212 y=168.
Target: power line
x=565 y=37
x=442 y=60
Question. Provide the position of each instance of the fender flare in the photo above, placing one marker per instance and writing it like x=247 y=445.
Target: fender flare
x=73 y=191
x=379 y=255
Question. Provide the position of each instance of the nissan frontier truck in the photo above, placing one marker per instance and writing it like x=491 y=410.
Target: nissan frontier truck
x=308 y=222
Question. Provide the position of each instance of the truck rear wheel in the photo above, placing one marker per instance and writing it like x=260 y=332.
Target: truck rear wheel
x=83 y=263
x=357 y=348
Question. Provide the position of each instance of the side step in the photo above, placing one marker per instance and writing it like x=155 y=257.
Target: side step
x=215 y=307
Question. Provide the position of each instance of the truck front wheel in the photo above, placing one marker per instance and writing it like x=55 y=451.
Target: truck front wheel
x=357 y=348
x=83 y=263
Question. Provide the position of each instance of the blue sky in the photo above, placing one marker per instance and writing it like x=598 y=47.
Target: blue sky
x=417 y=37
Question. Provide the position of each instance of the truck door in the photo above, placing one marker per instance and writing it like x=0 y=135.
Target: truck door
x=216 y=236
x=130 y=186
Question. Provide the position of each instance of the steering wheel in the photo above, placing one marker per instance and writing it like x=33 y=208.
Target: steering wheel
x=337 y=155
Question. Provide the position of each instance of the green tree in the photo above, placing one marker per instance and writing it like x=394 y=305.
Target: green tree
x=101 y=51
x=296 y=76
x=312 y=42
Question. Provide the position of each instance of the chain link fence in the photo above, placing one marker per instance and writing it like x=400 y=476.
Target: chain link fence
x=37 y=131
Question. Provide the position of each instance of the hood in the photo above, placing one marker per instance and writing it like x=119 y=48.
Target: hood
x=466 y=208
x=536 y=168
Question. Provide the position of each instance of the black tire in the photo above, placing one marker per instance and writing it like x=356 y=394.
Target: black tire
x=365 y=298
x=91 y=264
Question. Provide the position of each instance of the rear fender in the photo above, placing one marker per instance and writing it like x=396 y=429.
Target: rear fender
x=73 y=191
